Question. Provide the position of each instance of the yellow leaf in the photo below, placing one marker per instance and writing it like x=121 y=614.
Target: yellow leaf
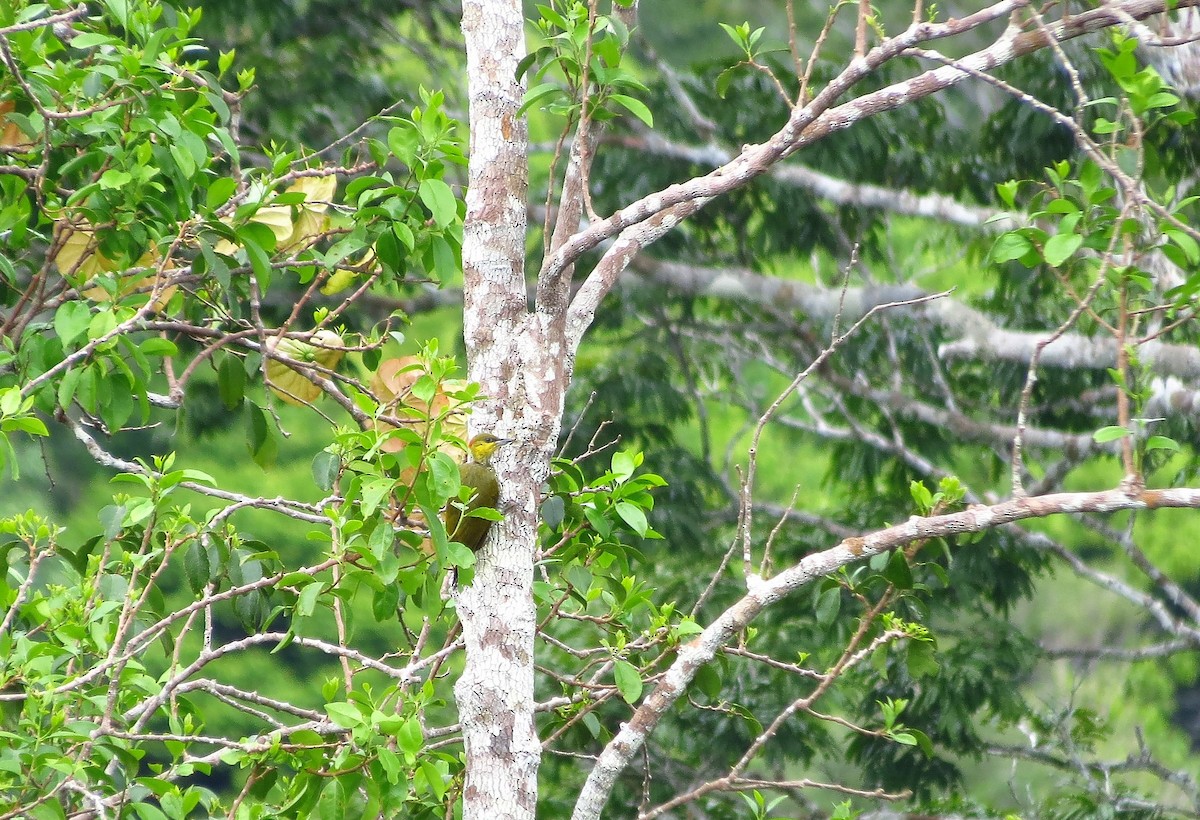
x=311 y=218
x=12 y=139
x=298 y=224
x=78 y=250
x=309 y=225
x=326 y=350
x=78 y=255
x=135 y=283
x=343 y=278
x=319 y=191
x=278 y=218
x=340 y=280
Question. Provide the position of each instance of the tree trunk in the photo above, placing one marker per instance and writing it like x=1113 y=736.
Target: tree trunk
x=510 y=354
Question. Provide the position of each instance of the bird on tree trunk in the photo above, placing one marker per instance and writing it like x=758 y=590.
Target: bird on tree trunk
x=478 y=474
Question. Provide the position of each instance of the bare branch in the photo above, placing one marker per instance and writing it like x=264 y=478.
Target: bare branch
x=977 y=518
x=839 y=191
x=978 y=336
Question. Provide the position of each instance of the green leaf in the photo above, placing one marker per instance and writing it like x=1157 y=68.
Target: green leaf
x=635 y=107
x=437 y=783
x=332 y=803
x=306 y=604
x=921 y=495
x=1162 y=99
x=629 y=682
x=111 y=518
x=1189 y=246
x=1060 y=247
x=344 y=714
x=828 y=605
x=632 y=515
x=10 y=401
x=921 y=659
x=599 y=523
x=91 y=39
x=580 y=578
x=1062 y=206
x=1010 y=246
x=1162 y=443
x=404 y=234
x=445 y=265
x=214 y=264
x=897 y=571
x=553 y=17
x=538 y=93
x=738 y=37
x=66 y=387
x=71 y=321
x=923 y=741
x=439 y=199
x=385 y=602
x=458 y=555
x=527 y=62
x=118 y=9
x=25 y=424
x=146 y=811
x=112 y=179
x=553 y=511
x=623 y=464
x=260 y=436
x=158 y=347
x=445 y=475
x=196 y=567
x=410 y=738
x=219 y=192
x=183 y=161
x=1111 y=433
x=231 y=382
x=325 y=467
x=387 y=248
x=592 y=724
x=383 y=538
x=259 y=242
x=102 y=324
x=1007 y=192
x=723 y=81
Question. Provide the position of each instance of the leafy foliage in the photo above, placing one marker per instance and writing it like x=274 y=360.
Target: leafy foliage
x=274 y=651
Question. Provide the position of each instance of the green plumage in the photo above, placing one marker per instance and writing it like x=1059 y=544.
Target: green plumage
x=479 y=475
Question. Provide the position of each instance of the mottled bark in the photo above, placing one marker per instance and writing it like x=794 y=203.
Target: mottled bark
x=495 y=692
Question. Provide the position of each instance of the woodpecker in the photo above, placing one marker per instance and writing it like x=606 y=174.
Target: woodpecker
x=478 y=474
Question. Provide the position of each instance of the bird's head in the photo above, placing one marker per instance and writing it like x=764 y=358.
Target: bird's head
x=483 y=445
